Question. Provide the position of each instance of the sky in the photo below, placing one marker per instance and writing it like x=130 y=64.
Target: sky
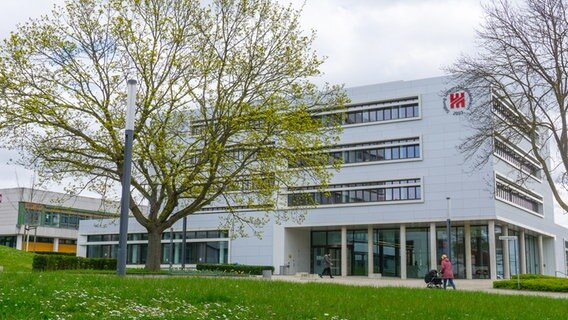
x=365 y=42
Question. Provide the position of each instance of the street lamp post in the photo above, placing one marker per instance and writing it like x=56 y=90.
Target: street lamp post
x=125 y=199
x=171 y=249
x=449 y=228
x=183 y=241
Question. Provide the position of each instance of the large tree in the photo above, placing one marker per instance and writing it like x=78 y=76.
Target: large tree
x=224 y=104
x=521 y=73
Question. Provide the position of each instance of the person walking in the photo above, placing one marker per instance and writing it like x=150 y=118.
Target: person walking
x=447 y=272
x=326 y=265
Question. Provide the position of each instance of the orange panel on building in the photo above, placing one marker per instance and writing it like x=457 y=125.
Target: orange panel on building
x=38 y=247
x=67 y=248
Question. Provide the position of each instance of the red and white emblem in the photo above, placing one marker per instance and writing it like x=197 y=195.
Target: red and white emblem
x=457 y=100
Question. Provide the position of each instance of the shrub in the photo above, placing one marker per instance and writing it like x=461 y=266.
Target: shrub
x=235 y=268
x=52 y=262
x=535 y=283
x=39 y=262
x=534 y=276
x=56 y=253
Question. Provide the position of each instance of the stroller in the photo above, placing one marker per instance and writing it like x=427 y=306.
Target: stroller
x=433 y=280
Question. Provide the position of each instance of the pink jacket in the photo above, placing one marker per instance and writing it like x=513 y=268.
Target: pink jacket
x=447 y=272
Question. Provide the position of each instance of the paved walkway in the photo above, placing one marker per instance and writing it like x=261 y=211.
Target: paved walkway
x=469 y=285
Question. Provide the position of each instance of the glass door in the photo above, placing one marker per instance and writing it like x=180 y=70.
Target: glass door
x=317 y=259
x=336 y=260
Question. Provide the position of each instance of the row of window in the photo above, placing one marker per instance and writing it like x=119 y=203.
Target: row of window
x=40 y=239
x=383 y=114
x=53 y=219
x=374 y=151
x=36 y=214
x=376 y=143
x=210 y=234
x=505 y=112
x=68 y=241
x=199 y=127
x=360 y=184
x=511 y=155
x=8 y=241
x=213 y=252
x=387 y=250
x=355 y=196
x=378 y=194
x=376 y=115
x=251 y=183
x=378 y=154
x=379 y=111
x=515 y=195
x=235 y=208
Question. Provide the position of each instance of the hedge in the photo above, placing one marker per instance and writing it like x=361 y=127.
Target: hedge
x=51 y=262
x=56 y=253
x=534 y=283
x=533 y=276
x=235 y=268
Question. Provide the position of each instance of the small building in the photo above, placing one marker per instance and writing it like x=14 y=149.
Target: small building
x=43 y=221
x=387 y=211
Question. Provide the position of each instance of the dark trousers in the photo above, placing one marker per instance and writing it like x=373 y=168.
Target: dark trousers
x=326 y=271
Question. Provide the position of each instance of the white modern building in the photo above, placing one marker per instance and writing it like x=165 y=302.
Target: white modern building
x=44 y=221
x=388 y=208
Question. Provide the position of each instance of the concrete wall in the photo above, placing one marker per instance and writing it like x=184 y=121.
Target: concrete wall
x=297 y=250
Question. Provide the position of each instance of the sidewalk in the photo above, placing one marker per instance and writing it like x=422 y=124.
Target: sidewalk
x=461 y=284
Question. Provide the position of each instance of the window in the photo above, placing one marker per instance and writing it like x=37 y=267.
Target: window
x=35 y=214
x=8 y=241
x=233 y=208
x=67 y=241
x=399 y=149
x=505 y=111
x=365 y=192
x=405 y=108
x=515 y=157
x=516 y=195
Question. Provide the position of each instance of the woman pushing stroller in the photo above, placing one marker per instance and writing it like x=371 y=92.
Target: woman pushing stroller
x=447 y=272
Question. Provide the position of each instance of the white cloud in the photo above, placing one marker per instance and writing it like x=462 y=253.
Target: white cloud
x=377 y=41
x=16 y=12
x=366 y=41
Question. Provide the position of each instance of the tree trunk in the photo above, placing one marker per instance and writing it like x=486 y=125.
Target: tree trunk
x=154 y=258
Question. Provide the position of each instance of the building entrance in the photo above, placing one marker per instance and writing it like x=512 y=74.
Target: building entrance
x=317 y=259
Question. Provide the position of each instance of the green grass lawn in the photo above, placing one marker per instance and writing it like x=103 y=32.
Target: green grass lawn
x=15 y=260
x=87 y=295
x=58 y=295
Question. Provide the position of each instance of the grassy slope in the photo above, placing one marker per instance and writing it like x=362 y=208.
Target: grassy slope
x=58 y=295
x=15 y=260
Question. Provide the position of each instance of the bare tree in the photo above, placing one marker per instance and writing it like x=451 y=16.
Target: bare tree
x=224 y=105
x=520 y=80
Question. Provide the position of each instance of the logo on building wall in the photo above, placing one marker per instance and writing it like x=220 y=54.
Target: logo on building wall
x=457 y=100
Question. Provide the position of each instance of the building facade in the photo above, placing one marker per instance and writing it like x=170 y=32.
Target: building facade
x=404 y=196
x=42 y=221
